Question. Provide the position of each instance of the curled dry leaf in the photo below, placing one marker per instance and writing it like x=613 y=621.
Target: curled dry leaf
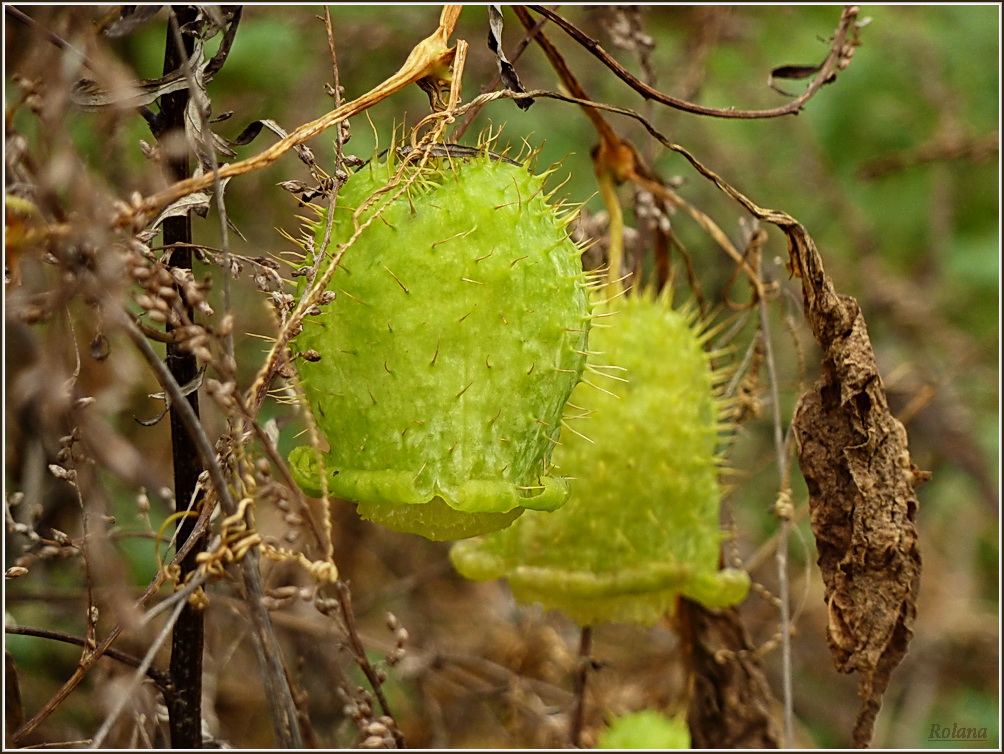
x=731 y=706
x=791 y=72
x=509 y=76
x=90 y=95
x=254 y=128
x=853 y=454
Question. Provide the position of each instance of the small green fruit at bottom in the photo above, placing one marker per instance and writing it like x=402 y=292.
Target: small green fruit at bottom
x=457 y=333
x=641 y=527
x=646 y=729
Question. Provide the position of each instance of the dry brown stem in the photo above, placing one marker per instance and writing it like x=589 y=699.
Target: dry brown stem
x=430 y=57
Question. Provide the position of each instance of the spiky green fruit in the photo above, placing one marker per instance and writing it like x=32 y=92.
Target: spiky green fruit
x=645 y=729
x=642 y=525
x=457 y=334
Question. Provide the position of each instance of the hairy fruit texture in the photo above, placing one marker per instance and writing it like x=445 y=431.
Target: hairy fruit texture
x=642 y=526
x=456 y=336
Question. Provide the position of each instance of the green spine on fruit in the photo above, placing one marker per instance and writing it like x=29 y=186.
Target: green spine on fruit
x=642 y=525
x=456 y=335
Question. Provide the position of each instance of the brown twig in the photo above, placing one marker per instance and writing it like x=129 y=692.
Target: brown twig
x=617 y=160
x=783 y=511
x=580 y=681
x=277 y=691
x=774 y=217
x=161 y=679
x=344 y=597
x=835 y=60
x=87 y=662
x=429 y=58
x=32 y=24
x=606 y=133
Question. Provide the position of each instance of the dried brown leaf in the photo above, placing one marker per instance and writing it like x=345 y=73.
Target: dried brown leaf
x=795 y=71
x=509 y=76
x=731 y=706
x=854 y=457
x=90 y=95
x=252 y=130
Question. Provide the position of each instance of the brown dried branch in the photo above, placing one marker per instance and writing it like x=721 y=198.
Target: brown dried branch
x=89 y=659
x=581 y=681
x=159 y=677
x=429 y=58
x=342 y=604
x=278 y=692
x=841 y=51
x=617 y=160
x=188 y=637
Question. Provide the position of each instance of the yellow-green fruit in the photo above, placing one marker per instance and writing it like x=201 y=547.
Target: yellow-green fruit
x=456 y=336
x=642 y=525
x=646 y=729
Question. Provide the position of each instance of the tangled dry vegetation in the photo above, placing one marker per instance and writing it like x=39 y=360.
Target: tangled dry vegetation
x=167 y=581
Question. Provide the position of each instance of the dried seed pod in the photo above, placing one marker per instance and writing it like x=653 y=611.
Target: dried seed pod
x=642 y=525
x=456 y=336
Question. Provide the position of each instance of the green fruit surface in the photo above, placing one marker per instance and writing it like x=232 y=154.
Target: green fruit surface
x=456 y=336
x=642 y=525
x=646 y=729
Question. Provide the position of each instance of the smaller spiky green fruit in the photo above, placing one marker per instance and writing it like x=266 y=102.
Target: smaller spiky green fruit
x=641 y=527
x=456 y=335
x=645 y=729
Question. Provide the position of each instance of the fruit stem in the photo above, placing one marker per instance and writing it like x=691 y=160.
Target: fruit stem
x=615 y=254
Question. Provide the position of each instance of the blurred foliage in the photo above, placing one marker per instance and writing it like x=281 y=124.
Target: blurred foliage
x=894 y=170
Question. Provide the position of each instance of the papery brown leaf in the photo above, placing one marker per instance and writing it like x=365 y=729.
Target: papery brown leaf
x=91 y=95
x=251 y=131
x=791 y=72
x=509 y=76
x=794 y=71
x=732 y=706
x=854 y=457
